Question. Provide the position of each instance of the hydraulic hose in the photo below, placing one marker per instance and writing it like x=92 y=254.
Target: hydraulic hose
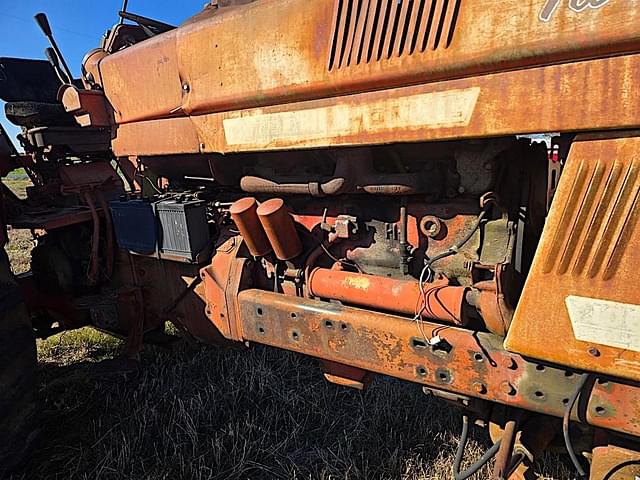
x=475 y=468
x=565 y=427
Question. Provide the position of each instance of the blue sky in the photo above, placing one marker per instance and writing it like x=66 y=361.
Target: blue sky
x=77 y=26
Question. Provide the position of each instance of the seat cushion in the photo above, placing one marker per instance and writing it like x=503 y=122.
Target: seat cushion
x=34 y=114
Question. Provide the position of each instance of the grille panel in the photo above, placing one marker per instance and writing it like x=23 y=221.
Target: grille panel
x=366 y=31
x=598 y=220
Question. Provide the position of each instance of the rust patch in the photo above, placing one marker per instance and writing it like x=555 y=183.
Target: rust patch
x=465 y=362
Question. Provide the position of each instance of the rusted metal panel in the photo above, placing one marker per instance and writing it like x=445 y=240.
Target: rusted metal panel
x=166 y=295
x=613 y=462
x=159 y=137
x=144 y=82
x=99 y=175
x=89 y=107
x=222 y=281
x=625 y=413
x=466 y=362
x=205 y=66
x=559 y=98
x=447 y=110
x=586 y=266
x=345 y=375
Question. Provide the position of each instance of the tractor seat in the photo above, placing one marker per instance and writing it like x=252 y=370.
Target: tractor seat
x=30 y=88
x=35 y=114
x=24 y=80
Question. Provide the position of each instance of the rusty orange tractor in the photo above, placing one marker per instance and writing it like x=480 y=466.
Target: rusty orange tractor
x=359 y=181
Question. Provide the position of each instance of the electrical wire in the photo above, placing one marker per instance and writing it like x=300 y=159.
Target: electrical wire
x=138 y=173
x=349 y=263
x=453 y=249
x=324 y=247
x=484 y=459
x=566 y=418
x=447 y=253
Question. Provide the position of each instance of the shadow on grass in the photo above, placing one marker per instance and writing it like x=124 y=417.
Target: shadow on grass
x=217 y=414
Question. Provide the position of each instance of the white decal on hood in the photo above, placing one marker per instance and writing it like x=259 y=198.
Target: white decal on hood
x=576 y=5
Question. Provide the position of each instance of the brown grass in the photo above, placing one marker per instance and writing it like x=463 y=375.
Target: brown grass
x=20 y=241
x=213 y=413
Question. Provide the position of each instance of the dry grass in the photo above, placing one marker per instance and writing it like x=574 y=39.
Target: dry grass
x=20 y=241
x=214 y=413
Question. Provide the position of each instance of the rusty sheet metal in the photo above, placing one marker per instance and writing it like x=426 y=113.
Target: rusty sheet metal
x=222 y=281
x=466 y=362
x=143 y=84
x=613 y=462
x=89 y=107
x=159 y=137
x=90 y=64
x=98 y=175
x=267 y=53
x=559 y=98
x=161 y=283
x=600 y=407
x=586 y=266
x=345 y=375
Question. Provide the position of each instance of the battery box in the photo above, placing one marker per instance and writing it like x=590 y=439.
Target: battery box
x=135 y=225
x=184 y=231
x=173 y=228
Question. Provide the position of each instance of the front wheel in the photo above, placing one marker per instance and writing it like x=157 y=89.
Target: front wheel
x=18 y=373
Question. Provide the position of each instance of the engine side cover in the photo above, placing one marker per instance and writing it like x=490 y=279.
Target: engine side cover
x=580 y=305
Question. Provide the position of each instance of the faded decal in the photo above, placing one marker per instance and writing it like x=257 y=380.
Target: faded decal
x=576 y=5
x=605 y=322
x=451 y=108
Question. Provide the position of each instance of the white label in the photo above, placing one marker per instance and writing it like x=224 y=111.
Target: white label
x=451 y=108
x=607 y=323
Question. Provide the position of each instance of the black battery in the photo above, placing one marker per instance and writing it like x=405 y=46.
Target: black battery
x=183 y=228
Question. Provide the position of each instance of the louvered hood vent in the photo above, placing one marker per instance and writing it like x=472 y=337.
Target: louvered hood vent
x=367 y=31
